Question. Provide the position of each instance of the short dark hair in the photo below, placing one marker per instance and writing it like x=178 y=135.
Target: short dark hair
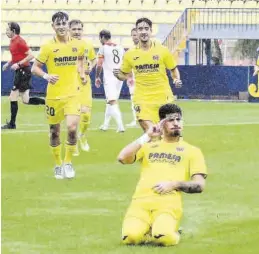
x=14 y=27
x=60 y=16
x=167 y=109
x=146 y=20
x=106 y=34
x=75 y=22
x=134 y=29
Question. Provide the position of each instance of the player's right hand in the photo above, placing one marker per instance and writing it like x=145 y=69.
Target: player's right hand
x=5 y=66
x=98 y=82
x=52 y=79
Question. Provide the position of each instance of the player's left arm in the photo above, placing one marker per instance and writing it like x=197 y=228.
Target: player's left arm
x=170 y=63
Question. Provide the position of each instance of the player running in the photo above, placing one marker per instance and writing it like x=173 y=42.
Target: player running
x=76 y=31
x=64 y=58
x=149 y=61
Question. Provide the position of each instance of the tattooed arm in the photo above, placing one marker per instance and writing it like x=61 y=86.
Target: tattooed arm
x=196 y=185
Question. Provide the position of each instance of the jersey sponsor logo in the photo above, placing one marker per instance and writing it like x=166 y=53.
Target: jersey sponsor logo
x=145 y=68
x=65 y=60
x=164 y=157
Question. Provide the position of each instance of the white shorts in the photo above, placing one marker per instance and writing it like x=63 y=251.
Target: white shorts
x=112 y=88
x=131 y=90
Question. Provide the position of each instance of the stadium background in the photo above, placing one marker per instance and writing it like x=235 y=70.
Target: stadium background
x=186 y=27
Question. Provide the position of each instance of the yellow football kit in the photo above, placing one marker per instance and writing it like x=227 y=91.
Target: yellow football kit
x=160 y=162
x=152 y=87
x=86 y=89
x=61 y=59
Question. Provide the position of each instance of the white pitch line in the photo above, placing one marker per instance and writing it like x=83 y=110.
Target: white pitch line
x=113 y=128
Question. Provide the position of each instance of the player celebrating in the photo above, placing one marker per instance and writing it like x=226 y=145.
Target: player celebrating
x=149 y=62
x=64 y=57
x=110 y=57
x=169 y=167
x=20 y=63
x=131 y=81
x=76 y=31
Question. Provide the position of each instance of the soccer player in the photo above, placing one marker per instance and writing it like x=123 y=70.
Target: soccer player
x=168 y=167
x=20 y=64
x=149 y=62
x=131 y=80
x=76 y=31
x=64 y=58
x=110 y=57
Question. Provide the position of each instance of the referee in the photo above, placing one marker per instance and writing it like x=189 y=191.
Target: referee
x=20 y=64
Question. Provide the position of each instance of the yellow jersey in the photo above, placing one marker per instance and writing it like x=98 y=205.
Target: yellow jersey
x=163 y=161
x=61 y=59
x=149 y=68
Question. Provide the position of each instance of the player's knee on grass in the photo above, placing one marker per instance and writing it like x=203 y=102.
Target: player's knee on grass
x=134 y=231
x=164 y=230
x=54 y=135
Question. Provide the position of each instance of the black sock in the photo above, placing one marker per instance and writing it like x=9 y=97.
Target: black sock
x=14 y=110
x=36 y=101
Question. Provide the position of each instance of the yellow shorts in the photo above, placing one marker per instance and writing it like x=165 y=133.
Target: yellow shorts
x=56 y=110
x=148 y=112
x=86 y=94
x=148 y=209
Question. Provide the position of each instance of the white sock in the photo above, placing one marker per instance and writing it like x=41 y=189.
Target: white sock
x=133 y=112
x=116 y=114
x=107 y=116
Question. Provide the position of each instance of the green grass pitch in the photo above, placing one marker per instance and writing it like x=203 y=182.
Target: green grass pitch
x=47 y=216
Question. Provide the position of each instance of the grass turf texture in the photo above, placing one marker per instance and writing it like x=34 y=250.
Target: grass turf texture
x=84 y=215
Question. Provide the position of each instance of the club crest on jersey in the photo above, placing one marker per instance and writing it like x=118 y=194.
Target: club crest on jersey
x=179 y=149
x=156 y=57
x=74 y=49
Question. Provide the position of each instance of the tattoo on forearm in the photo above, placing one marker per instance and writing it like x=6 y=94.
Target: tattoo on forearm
x=190 y=187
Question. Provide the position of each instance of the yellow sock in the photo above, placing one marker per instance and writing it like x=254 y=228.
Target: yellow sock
x=69 y=151
x=56 y=151
x=84 y=122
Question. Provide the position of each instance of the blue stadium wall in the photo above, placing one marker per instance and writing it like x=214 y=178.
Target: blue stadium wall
x=202 y=82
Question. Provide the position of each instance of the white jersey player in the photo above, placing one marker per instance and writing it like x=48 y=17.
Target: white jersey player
x=109 y=58
x=131 y=80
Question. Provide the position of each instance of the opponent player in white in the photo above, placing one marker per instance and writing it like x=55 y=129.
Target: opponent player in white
x=131 y=80
x=109 y=58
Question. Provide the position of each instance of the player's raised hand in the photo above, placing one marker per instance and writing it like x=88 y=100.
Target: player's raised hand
x=166 y=187
x=51 y=78
x=178 y=83
x=98 y=82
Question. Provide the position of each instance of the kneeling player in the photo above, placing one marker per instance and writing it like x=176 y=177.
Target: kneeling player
x=169 y=167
